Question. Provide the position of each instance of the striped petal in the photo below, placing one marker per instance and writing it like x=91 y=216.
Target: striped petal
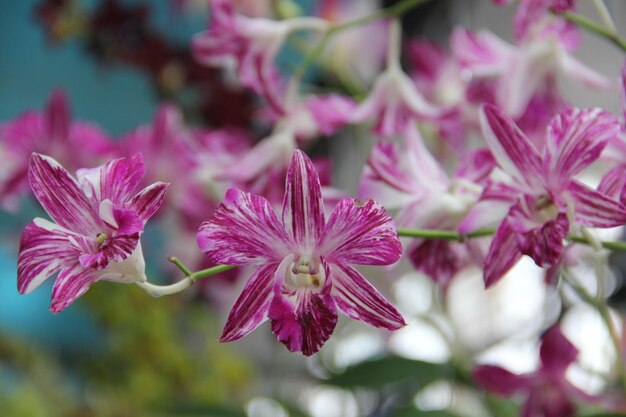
x=359 y=300
x=250 y=309
x=575 y=139
x=302 y=319
x=61 y=196
x=243 y=230
x=44 y=250
x=71 y=283
x=147 y=201
x=594 y=208
x=116 y=180
x=503 y=254
x=510 y=147
x=361 y=234
x=303 y=207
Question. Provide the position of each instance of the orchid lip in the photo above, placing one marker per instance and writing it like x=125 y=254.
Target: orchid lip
x=306 y=272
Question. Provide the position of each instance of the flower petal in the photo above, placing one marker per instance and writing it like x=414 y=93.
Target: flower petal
x=116 y=180
x=556 y=352
x=250 y=309
x=575 y=139
x=483 y=52
x=58 y=116
x=243 y=230
x=302 y=319
x=594 y=208
x=578 y=71
x=303 y=207
x=359 y=300
x=438 y=259
x=503 y=254
x=71 y=283
x=44 y=250
x=361 y=234
x=61 y=196
x=499 y=381
x=511 y=148
x=147 y=201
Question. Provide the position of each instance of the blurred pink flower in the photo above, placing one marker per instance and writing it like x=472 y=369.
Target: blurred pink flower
x=547 y=392
x=52 y=132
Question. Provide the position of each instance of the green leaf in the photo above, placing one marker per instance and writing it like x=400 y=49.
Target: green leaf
x=190 y=410
x=392 y=369
x=414 y=412
x=605 y=414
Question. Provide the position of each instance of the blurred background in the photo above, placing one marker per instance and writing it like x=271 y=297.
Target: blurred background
x=119 y=353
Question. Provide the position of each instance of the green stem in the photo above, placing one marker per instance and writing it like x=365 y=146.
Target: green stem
x=205 y=273
x=603 y=310
x=460 y=237
x=396 y=10
x=594 y=27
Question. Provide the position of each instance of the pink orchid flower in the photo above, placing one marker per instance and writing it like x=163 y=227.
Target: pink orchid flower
x=76 y=144
x=395 y=102
x=96 y=224
x=547 y=392
x=249 y=45
x=303 y=273
x=524 y=69
x=410 y=179
x=543 y=199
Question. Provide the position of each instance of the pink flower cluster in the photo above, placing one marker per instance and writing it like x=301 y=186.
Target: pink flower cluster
x=475 y=137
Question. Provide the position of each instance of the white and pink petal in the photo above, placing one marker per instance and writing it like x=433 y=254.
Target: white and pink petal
x=359 y=300
x=303 y=206
x=361 y=234
x=250 y=309
x=243 y=230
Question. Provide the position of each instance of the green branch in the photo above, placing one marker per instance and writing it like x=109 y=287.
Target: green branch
x=615 y=246
x=396 y=10
x=594 y=27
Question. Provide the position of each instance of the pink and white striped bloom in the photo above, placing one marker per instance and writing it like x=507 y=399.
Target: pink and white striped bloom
x=97 y=220
x=543 y=198
x=394 y=102
x=541 y=55
x=409 y=179
x=303 y=273
x=547 y=392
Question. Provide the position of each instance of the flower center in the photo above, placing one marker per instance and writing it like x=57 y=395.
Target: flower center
x=307 y=273
x=546 y=209
x=101 y=238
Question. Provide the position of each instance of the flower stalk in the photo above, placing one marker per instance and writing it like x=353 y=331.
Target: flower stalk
x=603 y=310
x=616 y=246
x=190 y=277
x=594 y=27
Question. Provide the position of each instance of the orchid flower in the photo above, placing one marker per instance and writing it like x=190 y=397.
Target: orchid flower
x=411 y=180
x=304 y=273
x=543 y=199
x=97 y=220
x=522 y=70
x=248 y=44
x=547 y=392
x=394 y=101
x=76 y=144
x=306 y=119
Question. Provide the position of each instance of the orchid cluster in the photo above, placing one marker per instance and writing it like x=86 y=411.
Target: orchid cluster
x=479 y=160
